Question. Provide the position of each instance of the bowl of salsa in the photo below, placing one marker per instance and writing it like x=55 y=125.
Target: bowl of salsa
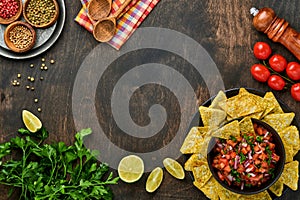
x=249 y=163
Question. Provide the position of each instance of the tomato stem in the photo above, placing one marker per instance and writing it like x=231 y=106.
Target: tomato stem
x=290 y=82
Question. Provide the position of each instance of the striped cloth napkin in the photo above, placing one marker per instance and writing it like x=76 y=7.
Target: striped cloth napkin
x=133 y=16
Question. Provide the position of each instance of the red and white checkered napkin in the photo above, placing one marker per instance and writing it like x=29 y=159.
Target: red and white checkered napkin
x=133 y=16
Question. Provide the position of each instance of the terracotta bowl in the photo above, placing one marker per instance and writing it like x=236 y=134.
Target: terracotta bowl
x=11 y=45
x=15 y=17
x=46 y=25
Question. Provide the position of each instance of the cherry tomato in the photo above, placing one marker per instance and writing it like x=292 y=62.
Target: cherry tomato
x=260 y=72
x=262 y=50
x=295 y=91
x=278 y=63
x=293 y=71
x=276 y=82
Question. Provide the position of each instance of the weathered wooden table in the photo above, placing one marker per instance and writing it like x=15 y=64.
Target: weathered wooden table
x=223 y=28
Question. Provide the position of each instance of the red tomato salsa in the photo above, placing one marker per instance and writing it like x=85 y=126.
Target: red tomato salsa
x=246 y=161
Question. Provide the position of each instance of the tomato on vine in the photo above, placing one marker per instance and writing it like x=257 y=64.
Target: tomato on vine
x=276 y=82
x=260 y=72
x=278 y=63
x=262 y=50
x=295 y=91
x=293 y=71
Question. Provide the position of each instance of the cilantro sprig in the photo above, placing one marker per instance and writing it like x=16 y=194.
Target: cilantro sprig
x=54 y=171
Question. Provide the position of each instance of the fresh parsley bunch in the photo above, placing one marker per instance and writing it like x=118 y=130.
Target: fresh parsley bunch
x=53 y=171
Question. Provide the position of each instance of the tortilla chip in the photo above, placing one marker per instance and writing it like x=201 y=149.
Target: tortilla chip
x=204 y=148
x=279 y=121
x=194 y=160
x=244 y=104
x=230 y=129
x=289 y=152
x=194 y=140
x=290 y=175
x=211 y=117
x=290 y=136
x=269 y=107
x=219 y=99
x=209 y=189
x=246 y=125
x=272 y=99
x=260 y=196
x=277 y=188
x=225 y=194
x=201 y=174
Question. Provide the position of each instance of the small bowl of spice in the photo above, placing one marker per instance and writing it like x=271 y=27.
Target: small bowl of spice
x=10 y=11
x=19 y=36
x=41 y=13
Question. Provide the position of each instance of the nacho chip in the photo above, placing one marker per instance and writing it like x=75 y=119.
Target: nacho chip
x=260 y=196
x=230 y=129
x=244 y=104
x=277 y=188
x=290 y=136
x=209 y=189
x=246 y=125
x=269 y=107
x=219 y=99
x=272 y=99
x=279 y=121
x=194 y=160
x=289 y=152
x=204 y=148
x=290 y=175
x=225 y=194
x=194 y=140
x=201 y=174
x=211 y=117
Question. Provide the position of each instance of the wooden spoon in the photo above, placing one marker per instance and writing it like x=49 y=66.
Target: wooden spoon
x=98 y=9
x=105 y=28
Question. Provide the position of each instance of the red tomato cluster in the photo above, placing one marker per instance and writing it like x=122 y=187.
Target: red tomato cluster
x=279 y=73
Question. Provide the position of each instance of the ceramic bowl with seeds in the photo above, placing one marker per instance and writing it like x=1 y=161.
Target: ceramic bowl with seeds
x=19 y=36
x=41 y=13
x=10 y=11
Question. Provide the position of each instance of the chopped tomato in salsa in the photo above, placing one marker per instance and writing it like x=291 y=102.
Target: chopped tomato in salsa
x=248 y=160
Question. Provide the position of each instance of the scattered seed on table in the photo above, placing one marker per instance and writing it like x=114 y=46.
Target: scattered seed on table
x=43 y=64
x=46 y=68
x=42 y=78
x=28 y=77
x=32 y=79
x=42 y=68
x=31 y=65
x=52 y=61
x=43 y=59
x=18 y=83
x=19 y=75
x=27 y=87
x=39 y=110
x=32 y=88
x=36 y=100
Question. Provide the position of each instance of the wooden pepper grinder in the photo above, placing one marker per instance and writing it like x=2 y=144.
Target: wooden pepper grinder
x=277 y=29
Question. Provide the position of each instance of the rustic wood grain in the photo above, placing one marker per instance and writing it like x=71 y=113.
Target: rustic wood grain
x=223 y=28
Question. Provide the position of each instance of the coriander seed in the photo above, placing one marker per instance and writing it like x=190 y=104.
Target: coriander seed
x=39 y=110
x=52 y=61
x=19 y=75
x=27 y=87
x=43 y=60
x=36 y=100
x=31 y=65
x=32 y=79
x=32 y=88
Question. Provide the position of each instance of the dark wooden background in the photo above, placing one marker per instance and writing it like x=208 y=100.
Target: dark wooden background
x=223 y=28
